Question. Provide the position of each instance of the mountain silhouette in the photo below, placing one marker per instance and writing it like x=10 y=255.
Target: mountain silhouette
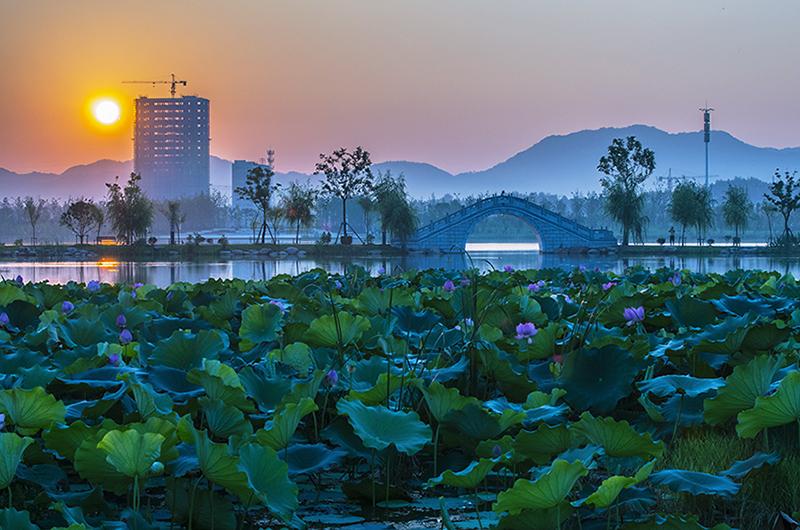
x=558 y=164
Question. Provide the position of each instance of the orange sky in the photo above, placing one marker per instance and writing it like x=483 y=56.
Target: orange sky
x=459 y=83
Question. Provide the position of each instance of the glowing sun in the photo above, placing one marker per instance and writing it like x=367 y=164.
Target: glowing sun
x=106 y=111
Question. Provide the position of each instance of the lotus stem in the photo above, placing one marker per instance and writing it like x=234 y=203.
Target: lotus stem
x=436 y=450
x=191 y=503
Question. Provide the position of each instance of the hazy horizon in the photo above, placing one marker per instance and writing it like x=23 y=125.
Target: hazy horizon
x=460 y=85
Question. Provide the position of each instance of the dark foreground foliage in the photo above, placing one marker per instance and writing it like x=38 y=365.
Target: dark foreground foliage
x=518 y=399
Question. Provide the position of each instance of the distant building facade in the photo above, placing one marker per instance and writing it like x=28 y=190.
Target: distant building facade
x=239 y=170
x=171 y=146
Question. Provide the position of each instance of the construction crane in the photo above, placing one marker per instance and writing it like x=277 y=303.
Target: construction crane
x=672 y=180
x=172 y=83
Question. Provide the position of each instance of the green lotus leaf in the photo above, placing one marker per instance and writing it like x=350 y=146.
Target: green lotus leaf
x=277 y=434
x=414 y=322
x=31 y=410
x=543 y=345
x=597 y=378
x=617 y=438
x=666 y=385
x=741 y=468
x=780 y=408
x=322 y=331
x=16 y=520
x=378 y=427
x=221 y=382
x=442 y=400
x=84 y=332
x=131 y=452
x=65 y=439
x=695 y=482
x=297 y=355
x=268 y=476
x=12 y=447
x=92 y=465
x=215 y=460
x=148 y=401
x=384 y=387
x=186 y=350
x=691 y=312
x=547 y=491
x=10 y=293
x=224 y=420
x=608 y=491
x=742 y=387
x=260 y=323
x=538 y=399
x=373 y=301
x=468 y=478
x=306 y=459
x=543 y=443
x=480 y=424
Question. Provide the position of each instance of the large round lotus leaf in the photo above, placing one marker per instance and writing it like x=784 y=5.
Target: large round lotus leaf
x=131 y=452
x=415 y=322
x=215 y=460
x=468 y=478
x=260 y=323
x=597 y=378
x=780 y=408
x=298 y=355
x=268 y=476
x=306 y=459
x=547 y=491
x=741 y=468
x=695 y=482
x=46 y=476
x=691 y=312
x=221 y=382
x=224 y=420
x=277 y=434
x=11 y=518
x=11 y=449
x=11 y=293
x=323 y=330
x=384 y=387
x=379 y=427
x=742 y=387
x=264 y=389
x=91 y=465
x=441 y=400
x=84 y=332
x=742 y=304
x=475 y=422
x=543 y=345
x=667 y=385
x=185 y=350
x=373 y=301
x=31 y=410
x=543 y=443
x=617 y=438
x=608 y=491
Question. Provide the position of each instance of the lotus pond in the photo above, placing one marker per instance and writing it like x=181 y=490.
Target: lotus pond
x=511 y=399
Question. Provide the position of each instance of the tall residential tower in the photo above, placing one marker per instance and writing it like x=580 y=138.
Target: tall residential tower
x=171 y=146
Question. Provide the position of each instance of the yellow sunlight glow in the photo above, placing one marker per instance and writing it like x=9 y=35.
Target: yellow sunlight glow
x=106 y=111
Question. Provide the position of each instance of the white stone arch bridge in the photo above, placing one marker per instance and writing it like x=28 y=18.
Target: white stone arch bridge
x=556 y=232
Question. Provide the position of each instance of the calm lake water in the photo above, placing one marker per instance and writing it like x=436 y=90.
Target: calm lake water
x=484 y=256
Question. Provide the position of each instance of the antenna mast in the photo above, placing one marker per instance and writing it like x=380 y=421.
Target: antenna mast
x=706 y=132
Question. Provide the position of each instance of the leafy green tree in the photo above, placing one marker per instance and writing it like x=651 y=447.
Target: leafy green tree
x=626 y=166
x=784 y=195
x=347 y=174
x=682 y=206
x=298 y=206
x=704 y=212
x=367 y=204
x=129 y=209
x=398 y=216
x=736 y=209
x=81 y=217
x=259 y=190
x=172 y=211
x=33 y=211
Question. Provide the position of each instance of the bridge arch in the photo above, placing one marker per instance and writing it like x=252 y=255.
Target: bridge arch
x=556 y=232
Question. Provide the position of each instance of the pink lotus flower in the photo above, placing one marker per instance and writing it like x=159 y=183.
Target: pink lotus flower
x=449 y=286
x=526 y=330
x=633 y=315
x=609 y=285
x=536 y=286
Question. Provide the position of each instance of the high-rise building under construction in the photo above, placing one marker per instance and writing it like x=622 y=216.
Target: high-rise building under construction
x=171 y=146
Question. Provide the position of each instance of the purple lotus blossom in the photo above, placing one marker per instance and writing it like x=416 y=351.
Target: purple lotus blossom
x=19 y=279
x=536 y=286
x=449 y=286
x=337 y=284
x=508 y=268
x=633 y=315
x=121 y=321
x=526 y=330
x=465 y=282
x=125 y=337
x=381 y=270
x=676 y=279
x=113 y=359
x=332 y=377
x=67 y=307
x=137 y=285
x=2 y=421
x=4 y=320
x=93 y=286
x=133 y=294
x=609 y=285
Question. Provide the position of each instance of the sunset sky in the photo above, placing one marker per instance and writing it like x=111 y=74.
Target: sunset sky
x=458 y=83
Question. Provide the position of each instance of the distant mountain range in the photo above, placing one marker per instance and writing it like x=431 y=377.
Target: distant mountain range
x=556 y=164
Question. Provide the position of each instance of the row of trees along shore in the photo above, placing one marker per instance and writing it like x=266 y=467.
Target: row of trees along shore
x=350 y=195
